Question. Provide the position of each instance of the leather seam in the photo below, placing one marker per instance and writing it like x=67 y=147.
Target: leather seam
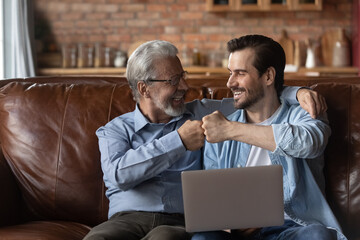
x=67 y=96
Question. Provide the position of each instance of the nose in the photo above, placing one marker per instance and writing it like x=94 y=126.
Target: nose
x=230 y=83
x=183 y=85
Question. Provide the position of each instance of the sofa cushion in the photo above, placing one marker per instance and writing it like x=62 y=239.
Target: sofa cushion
x=56 y=230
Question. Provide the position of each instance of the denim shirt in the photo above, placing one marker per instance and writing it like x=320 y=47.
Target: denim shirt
x=298 y=137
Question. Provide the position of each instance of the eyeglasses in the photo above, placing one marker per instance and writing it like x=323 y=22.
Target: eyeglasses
x=174 y=80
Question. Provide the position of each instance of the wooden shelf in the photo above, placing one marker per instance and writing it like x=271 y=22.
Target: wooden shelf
x=198 y=70
x=121 y=71
x=328 y=71
x=80 y=71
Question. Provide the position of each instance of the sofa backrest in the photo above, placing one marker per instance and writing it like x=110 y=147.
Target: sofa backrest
x=66 y=79
x=342 y=155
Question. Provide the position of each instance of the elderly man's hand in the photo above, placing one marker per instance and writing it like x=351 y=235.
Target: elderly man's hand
x=192 y=135
x=311 y=101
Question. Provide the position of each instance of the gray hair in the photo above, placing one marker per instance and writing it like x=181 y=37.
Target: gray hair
x=141 y=67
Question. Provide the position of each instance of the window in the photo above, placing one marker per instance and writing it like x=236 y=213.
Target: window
x=1 y=40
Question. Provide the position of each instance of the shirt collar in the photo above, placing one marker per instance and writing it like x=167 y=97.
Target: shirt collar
x=141 y=121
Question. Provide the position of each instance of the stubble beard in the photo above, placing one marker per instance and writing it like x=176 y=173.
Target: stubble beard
x=254 y=96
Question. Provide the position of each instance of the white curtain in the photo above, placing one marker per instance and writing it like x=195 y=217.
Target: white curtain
x=18 y=27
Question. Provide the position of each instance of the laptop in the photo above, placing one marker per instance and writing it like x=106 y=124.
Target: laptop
x=233 y=198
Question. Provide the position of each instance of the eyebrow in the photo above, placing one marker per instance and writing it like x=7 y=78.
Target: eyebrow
x=238 y=70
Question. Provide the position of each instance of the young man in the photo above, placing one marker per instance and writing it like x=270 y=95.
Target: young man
x=266 y=130
x=144 y=152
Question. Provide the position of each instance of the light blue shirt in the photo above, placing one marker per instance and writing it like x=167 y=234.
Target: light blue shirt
x=142 y=161
x=298 y=137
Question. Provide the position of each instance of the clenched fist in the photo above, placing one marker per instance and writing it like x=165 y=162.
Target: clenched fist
x=192 y=135
x=215 y=127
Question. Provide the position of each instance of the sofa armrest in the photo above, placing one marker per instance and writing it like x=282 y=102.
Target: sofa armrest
x=10 y=198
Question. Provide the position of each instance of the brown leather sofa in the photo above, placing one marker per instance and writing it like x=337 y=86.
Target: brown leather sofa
x=50 y=175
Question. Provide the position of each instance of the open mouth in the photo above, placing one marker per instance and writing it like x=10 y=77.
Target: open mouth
x=178 y=99
x=238 y=93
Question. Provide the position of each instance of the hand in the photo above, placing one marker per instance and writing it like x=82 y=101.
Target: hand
x=311 y=101
x=214 y=126
x=192 y=135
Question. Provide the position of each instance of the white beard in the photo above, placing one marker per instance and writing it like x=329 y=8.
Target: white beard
x=168 y=108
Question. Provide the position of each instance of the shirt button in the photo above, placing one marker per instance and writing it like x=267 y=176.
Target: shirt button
x=239 y=166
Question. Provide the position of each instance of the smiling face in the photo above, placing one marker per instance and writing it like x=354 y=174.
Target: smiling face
x=167 y=99
x=244 y=81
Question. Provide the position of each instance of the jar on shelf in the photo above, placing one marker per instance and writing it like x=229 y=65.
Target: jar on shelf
x=185 y=56
x=108 y=57
x=341 y=50
x=69 y=57
x=98 y=56
x=120 y=59
x=214 y=59
x=90 y=56
x=81 y=57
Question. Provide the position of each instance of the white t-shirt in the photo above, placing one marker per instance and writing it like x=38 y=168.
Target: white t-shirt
x=259 y=156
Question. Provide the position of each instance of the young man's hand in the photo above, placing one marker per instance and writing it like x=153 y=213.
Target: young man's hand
x=215 y=127
x=311 y=101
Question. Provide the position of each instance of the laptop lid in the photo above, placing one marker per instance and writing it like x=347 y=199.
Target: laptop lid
x=233 y=198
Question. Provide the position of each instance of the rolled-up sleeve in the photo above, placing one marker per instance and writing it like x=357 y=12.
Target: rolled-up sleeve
x=301 y=136
x=289 y=95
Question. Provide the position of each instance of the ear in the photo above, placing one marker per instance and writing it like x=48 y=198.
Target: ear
x=143 y=89
x=270 y=76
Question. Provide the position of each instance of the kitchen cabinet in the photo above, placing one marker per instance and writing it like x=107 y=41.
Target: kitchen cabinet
x=263 y=5
x=307 y=5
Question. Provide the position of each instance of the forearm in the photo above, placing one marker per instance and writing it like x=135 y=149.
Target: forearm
x=126 y=167
x=218 y=129
x=260 y=136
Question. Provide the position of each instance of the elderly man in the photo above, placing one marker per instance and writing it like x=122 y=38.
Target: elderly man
x=265 y=131
x=143 y=152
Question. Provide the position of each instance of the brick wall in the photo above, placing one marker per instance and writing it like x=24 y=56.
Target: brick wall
x=119 y=23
